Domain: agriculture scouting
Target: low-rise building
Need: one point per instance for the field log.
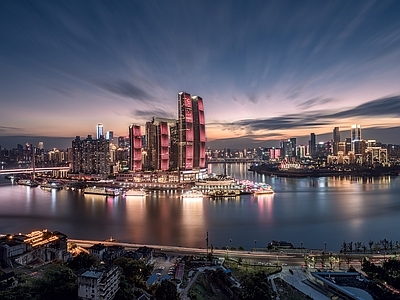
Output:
(99, 284)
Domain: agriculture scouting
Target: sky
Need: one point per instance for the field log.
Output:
(266, 70)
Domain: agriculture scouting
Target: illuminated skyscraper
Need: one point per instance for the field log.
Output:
(99, 132)
(158, 143)
(185, 128)
(355, 138)
(135, 149)
(199, 127)
(336, 140)
(191, 132)
(313, 144)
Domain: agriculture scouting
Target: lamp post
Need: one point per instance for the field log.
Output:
(255, 245)
(324, 247)
(301, 246)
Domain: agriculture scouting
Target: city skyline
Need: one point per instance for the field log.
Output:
(265, 70)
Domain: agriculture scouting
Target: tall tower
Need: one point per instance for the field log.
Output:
(336, 140)
(313, 144)
(135, 149)
(199, 128)
(99, 131)
(355, 138)
(185, 131)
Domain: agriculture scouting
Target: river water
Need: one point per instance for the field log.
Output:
(307, 211)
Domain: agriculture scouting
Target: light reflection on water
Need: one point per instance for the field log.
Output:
(311, 210)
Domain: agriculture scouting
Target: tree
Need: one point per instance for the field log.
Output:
(167, 291)
(370, 243)
(125, 291)
(82, 261)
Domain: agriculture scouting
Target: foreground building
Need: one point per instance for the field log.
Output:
(99, 284)
(26, 248)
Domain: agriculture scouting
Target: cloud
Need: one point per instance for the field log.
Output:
(126, 89)
(313, 102)
(150, 113)
(389, 106)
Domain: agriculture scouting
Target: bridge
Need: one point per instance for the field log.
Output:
(30, 170)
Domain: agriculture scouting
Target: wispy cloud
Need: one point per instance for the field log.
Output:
(126, 89)
(150, 113)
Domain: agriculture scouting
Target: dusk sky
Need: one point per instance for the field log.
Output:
(267, 70)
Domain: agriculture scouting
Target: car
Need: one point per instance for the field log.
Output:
(158, 274)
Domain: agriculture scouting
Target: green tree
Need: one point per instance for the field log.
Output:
(125, 291)
(167, 291)
(82, 261)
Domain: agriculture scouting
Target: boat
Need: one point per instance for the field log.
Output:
(192, 194)
(101, 191)
(263, 190)
(28, 182)
(138, 193)
(51, 185)
(224, 193)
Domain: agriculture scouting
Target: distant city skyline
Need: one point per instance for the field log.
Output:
(266, 70)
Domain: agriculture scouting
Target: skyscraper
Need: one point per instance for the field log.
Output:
(135, 148)
(313, 144)
(199, 126)
(185, 131)
(191, 132)
(355, 138)
(99, 131)
(336, 140)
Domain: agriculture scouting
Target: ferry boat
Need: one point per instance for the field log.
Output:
(101, 191)
(51, 185)
(137, 193)
(192, 194)
(263, 190)
(28, 182)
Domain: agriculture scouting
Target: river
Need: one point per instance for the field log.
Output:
(307, 211)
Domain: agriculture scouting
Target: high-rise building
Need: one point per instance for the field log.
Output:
(313, 144)
(199, 127)
(135, 148)
(185, 128)
(110, 136)
(158, 143)
(288, 148)
(99, 131)
(91, 156)
(355, 138)
(336, 140)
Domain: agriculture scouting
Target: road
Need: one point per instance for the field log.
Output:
(259, 257)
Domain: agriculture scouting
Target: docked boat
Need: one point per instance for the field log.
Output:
(192, 194)
(264, 190)
(101, 191)
(51, 185)
(137, 193)
(28, 182)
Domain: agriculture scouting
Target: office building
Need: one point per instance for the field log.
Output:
(355, 136)
(110, 136)
(99, 131)
(336, 140)
(313, 144)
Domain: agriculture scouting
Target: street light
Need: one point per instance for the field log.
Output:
(301, 246)
(325, 247)
(255, 245)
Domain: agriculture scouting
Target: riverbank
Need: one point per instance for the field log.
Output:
(272, 170)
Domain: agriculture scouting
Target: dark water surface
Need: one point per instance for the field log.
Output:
(308, 210)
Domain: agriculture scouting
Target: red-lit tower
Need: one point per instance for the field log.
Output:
(185, 131)
(135, 150)
(199, 128)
